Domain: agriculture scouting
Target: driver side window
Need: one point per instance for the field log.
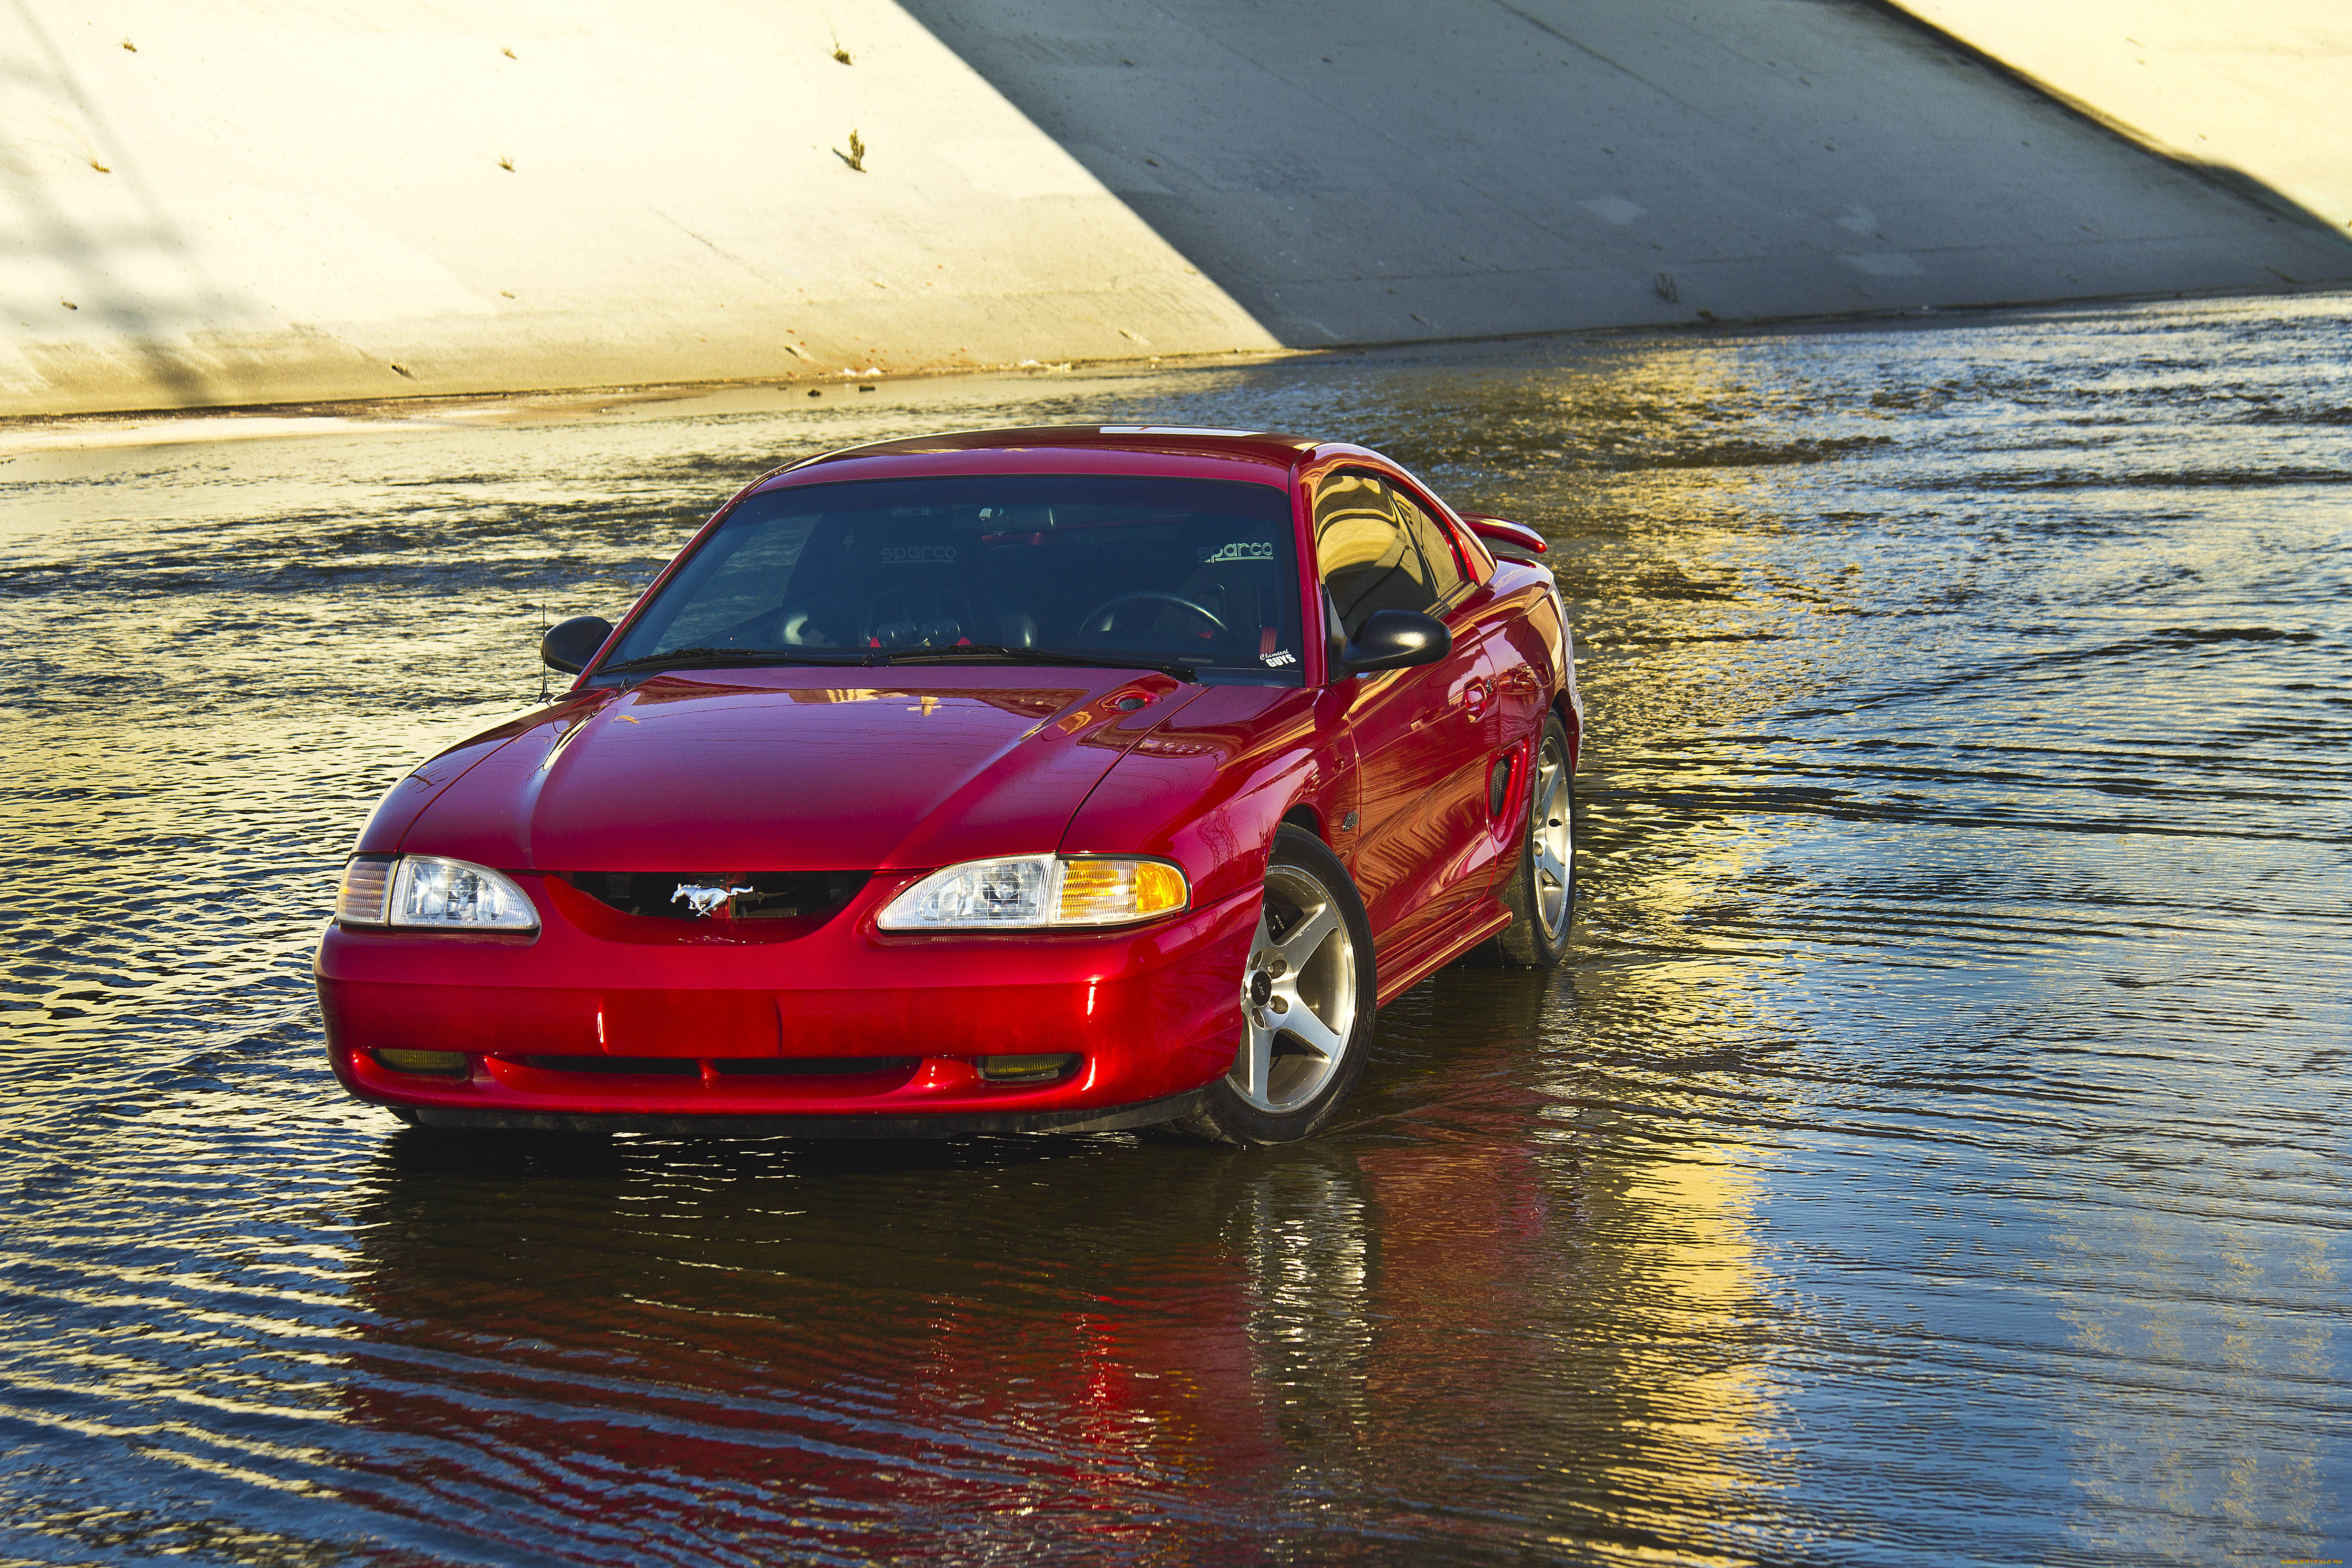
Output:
(737, 586)
(1368, 560)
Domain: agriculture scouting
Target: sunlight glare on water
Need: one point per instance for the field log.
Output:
(1934, 1149)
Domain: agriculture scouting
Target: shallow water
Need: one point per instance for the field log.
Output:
(1932, 1151)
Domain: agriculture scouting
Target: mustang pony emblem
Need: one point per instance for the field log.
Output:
(705, 900)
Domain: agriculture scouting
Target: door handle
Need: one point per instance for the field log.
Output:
(1475, 696)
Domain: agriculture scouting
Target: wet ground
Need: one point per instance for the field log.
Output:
(1933, 1152)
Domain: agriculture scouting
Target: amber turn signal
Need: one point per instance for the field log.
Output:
(367, 885)
(1110, 892)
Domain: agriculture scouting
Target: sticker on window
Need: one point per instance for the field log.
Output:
(905, 555)
(1240, 549)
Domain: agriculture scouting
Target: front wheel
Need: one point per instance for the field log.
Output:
(1541, 891)
(1308, 1001)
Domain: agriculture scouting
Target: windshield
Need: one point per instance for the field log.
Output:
(1197, 571)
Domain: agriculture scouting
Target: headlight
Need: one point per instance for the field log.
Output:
(1038, 891)
(428, 893)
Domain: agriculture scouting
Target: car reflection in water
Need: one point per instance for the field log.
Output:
(1114, 1347)
(785, 1347)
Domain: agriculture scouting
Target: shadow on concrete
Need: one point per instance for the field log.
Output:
(1408, 171)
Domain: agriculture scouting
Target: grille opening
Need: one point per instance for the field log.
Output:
(726, 1067)
(675, 1066)
(810, 1066)
(767, 895)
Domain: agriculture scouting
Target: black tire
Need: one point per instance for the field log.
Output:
(1300, 1086)
(1541, 901)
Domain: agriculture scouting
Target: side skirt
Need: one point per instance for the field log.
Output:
(1410, 975)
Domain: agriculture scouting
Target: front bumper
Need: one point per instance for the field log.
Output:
(929, 1124)
(605, 1020)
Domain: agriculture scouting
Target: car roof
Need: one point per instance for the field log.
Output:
(1173, 450)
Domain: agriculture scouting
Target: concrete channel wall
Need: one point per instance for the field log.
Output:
(270, 200)
(1479, 168)
(276, 200)
(2256, 93)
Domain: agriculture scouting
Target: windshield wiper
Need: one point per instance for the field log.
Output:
(680, 658)
(999, 653)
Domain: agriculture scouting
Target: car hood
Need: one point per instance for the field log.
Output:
(777, 771)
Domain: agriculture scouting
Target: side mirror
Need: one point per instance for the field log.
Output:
(1396, 640)
(570, 645)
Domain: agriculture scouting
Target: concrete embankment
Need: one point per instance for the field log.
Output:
(1397, 169)
(261, 203)
(252, 201)
(2256, 94)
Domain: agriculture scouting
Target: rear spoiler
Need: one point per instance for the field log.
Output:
(1510, 540)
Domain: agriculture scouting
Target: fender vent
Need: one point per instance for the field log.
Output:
(769, 895)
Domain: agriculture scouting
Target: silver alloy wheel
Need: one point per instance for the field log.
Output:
(1554, 849)
(1299, 995)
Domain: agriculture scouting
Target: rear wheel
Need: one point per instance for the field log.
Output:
(1307, 1004)
(1541, 893)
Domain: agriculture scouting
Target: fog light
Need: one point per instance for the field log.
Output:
(1025, 1069)
(440, 1063)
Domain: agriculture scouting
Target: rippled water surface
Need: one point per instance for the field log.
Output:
(1934, 1150)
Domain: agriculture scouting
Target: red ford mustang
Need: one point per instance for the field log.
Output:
(1061, 779)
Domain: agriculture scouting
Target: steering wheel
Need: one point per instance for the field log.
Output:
(1102, 611)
